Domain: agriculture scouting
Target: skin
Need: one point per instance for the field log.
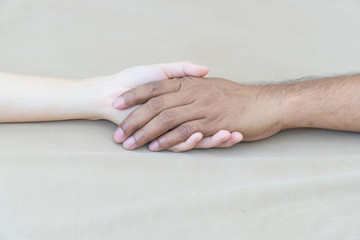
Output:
(173, 110)
(30, 98)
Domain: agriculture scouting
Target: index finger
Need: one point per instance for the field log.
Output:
(147, 91)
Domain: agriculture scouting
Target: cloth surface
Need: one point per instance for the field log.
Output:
(69, 180)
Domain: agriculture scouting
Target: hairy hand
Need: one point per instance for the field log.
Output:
(177, 108)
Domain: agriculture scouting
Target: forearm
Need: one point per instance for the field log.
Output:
(25, 99)
(331, 103)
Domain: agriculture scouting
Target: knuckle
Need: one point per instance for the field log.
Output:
(155, 104)
(178, 83)
(155, 87)
(209, 100)
(189, 78)
(186, 79)
(185, 130)
(167, 116)
(211, 117)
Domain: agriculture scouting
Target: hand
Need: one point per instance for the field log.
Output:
(113, 86)
(222, 139)
(177, 108)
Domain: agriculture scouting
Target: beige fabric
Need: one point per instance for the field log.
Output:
(68, 180)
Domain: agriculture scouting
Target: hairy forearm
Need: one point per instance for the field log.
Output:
(26, 99)
(331, 103)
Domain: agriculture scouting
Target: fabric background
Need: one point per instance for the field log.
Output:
(68, 180)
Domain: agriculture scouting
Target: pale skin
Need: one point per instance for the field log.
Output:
(32, 99)
(172, 110)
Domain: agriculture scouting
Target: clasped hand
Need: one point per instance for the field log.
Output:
(175, 109)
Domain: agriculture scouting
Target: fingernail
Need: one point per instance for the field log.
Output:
(119, 135)
(119, 103)
(129, 143)
(154, 146)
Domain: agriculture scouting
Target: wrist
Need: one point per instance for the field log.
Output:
(102, 91)
(294, 114)
(89, 98)
(274, 102)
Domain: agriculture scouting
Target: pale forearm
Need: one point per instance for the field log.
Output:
(331, 103)
(25, 98)
(29, 98)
